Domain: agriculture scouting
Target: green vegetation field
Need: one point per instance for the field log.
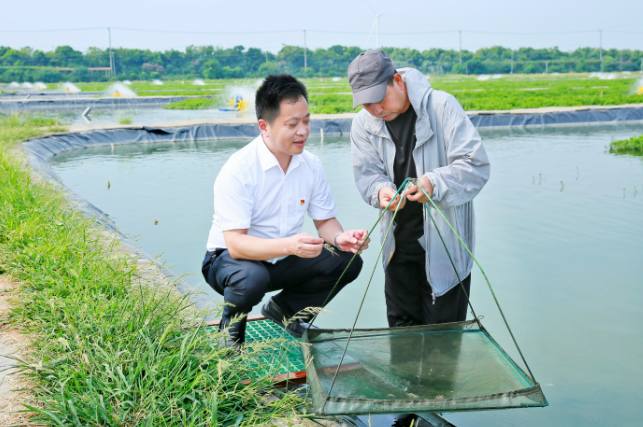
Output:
(334, 96)
(505, 93)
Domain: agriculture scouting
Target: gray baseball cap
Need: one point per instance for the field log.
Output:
(368, 74)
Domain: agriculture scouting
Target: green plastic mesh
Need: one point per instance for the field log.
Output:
(288, 359)
(448, 367)
(285, 356)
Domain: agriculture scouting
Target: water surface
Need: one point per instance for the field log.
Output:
(559, 233)
(143, 115)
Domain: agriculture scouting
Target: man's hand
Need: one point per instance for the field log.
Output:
(385, 195)
(415, 194)
(350, 241)
(304, 245)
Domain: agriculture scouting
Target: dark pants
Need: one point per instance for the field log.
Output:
(409, 299)
(304, 282)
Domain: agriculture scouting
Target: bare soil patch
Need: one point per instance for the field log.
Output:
(13, 344)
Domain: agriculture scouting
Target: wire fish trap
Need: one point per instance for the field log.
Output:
(437, 368)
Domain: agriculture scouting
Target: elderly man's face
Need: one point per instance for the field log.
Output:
(395, 102)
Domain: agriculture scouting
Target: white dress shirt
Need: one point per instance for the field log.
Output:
(252, 192)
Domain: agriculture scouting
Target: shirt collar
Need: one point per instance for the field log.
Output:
(268, 160)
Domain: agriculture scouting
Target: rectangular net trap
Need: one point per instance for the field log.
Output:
(447, 367)
(437, 368)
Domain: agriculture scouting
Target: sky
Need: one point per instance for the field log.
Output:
(163, 24)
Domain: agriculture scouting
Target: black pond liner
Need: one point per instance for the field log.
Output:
(578, 117)
(30, 105)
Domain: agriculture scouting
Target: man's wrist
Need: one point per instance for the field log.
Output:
(335, 242)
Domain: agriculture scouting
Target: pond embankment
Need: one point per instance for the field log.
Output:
(107, 343)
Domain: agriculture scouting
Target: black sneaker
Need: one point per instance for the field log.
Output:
(296, 327)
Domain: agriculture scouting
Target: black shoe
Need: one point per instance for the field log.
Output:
(230, 342)
(296, 327)
(234, 329)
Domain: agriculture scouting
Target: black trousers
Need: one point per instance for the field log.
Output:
(303, 282)
(409, 299)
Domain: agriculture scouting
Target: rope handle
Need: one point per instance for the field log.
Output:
(405, 186)
(360, 247)
(481, 270)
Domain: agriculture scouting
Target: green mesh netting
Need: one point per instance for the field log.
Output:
(447, 367)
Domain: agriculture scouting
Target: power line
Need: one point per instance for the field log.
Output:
(146, 30)
(53, 31)
(141, 30)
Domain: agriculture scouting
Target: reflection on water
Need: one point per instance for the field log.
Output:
(558, 233)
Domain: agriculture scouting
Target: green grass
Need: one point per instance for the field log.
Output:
(633, 146)
(331, 104)
(512, 93)
(108, 349)
(508, 93)
(192, 104)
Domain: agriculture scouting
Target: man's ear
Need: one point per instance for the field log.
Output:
(263, 126)
(398, 80)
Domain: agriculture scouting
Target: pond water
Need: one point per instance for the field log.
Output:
(559, 233)
(142, 115)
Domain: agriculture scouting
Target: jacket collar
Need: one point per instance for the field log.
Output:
(418, 89)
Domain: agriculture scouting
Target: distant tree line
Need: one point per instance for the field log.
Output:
(210, 62)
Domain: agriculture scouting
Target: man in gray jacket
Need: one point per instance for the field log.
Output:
(408, 129)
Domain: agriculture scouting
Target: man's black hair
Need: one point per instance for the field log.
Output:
(391, 79)
(274, 89)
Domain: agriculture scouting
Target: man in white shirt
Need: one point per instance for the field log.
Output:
(260, 198)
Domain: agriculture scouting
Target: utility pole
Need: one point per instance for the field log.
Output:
(621, 61)
(111, 55)
(460, 35)
(266, 52)
(305, 57)
(600, 35)
(547, 66)
(377, 35)
(512, 61)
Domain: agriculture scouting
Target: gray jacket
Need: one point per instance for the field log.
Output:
(449, 153)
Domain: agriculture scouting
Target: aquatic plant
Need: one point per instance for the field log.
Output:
(633, 146)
